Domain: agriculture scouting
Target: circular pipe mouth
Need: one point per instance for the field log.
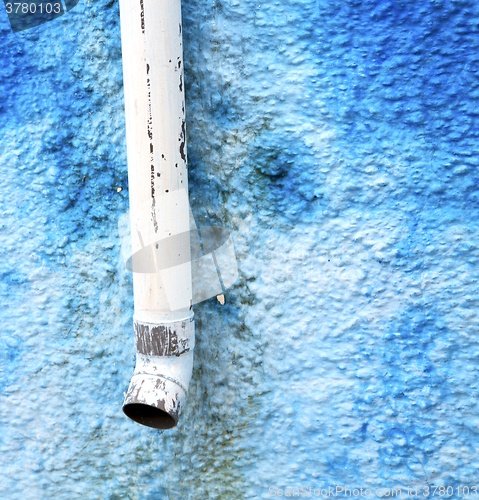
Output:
(149, 416)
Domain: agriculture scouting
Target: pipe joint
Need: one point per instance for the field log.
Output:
(173, 338)
(164, 364)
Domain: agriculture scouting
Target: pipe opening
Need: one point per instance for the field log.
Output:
(149, 416)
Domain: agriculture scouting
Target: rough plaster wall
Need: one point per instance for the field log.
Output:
(338, 140)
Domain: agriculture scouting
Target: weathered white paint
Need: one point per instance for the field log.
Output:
(158, 182)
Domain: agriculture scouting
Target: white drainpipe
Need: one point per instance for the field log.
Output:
(158, 186)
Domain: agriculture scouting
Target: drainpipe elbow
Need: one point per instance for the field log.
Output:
(164, 364)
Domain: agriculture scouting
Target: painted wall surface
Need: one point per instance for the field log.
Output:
(338, 140)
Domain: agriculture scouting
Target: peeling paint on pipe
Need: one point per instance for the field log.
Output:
(158, 183)
(164, 364)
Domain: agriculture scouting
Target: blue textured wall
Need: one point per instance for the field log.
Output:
(338, 139)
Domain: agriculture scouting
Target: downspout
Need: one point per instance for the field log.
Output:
(158, 190)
